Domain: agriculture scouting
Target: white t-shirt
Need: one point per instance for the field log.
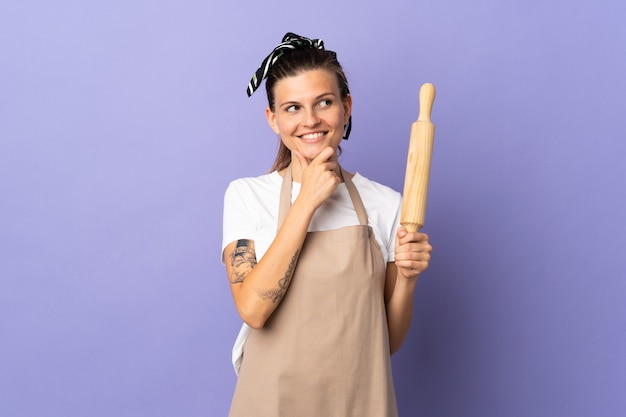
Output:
(251, 212)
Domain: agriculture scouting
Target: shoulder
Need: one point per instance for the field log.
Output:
(372, 190)
(262, 181)
(261, 185)
(383, 206)
(251, 210)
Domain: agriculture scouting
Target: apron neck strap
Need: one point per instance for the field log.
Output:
(285, 197)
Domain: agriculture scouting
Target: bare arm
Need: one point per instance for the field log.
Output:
(258, 288)
(412, 258)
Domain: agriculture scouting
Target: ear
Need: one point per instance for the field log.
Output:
(271, 119)
(347, 108)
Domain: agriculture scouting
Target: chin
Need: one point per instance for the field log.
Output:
(311, 153)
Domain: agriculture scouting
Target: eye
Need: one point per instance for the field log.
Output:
(326, 102)
(292, 108)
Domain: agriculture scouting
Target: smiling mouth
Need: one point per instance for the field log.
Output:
(313, 136)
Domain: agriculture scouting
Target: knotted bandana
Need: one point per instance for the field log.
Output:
(290, 41)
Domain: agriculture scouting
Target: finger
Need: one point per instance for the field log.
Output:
(416, 237)
(420, 237)
(412, 257)
(325, 156)
(414, 248)
(412, 266)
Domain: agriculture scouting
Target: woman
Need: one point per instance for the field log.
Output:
(331, 295)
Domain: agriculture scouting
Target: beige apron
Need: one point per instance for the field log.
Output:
(324, 352)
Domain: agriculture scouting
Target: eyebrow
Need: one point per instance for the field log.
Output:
(289, 103)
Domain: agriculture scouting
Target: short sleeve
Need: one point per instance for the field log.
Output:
(238, 222)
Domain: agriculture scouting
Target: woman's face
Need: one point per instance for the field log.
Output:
(309, 114)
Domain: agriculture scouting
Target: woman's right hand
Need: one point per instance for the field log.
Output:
(319, 177)
(259, 287)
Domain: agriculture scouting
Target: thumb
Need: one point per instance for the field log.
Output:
(400, 233)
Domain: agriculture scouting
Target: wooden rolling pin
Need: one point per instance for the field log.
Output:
(418, 163)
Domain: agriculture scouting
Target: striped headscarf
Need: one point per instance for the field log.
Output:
(290, 42)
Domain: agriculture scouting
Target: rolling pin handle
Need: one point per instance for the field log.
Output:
(427, 97)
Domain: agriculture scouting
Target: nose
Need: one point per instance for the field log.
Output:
(310, 117)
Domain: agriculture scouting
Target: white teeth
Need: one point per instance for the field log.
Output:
(313, 135)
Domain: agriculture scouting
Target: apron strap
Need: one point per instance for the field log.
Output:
(356, 198)
(285, 198)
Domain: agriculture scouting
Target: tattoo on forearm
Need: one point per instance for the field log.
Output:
(276, 294)
(242, 259)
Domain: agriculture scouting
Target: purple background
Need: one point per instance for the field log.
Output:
(122, 122)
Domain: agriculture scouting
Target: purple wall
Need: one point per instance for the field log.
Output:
(121, 123)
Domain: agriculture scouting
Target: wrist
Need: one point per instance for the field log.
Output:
(406, 284)
(303, 207)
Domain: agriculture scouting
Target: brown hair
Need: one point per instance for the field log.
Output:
(295, 62)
